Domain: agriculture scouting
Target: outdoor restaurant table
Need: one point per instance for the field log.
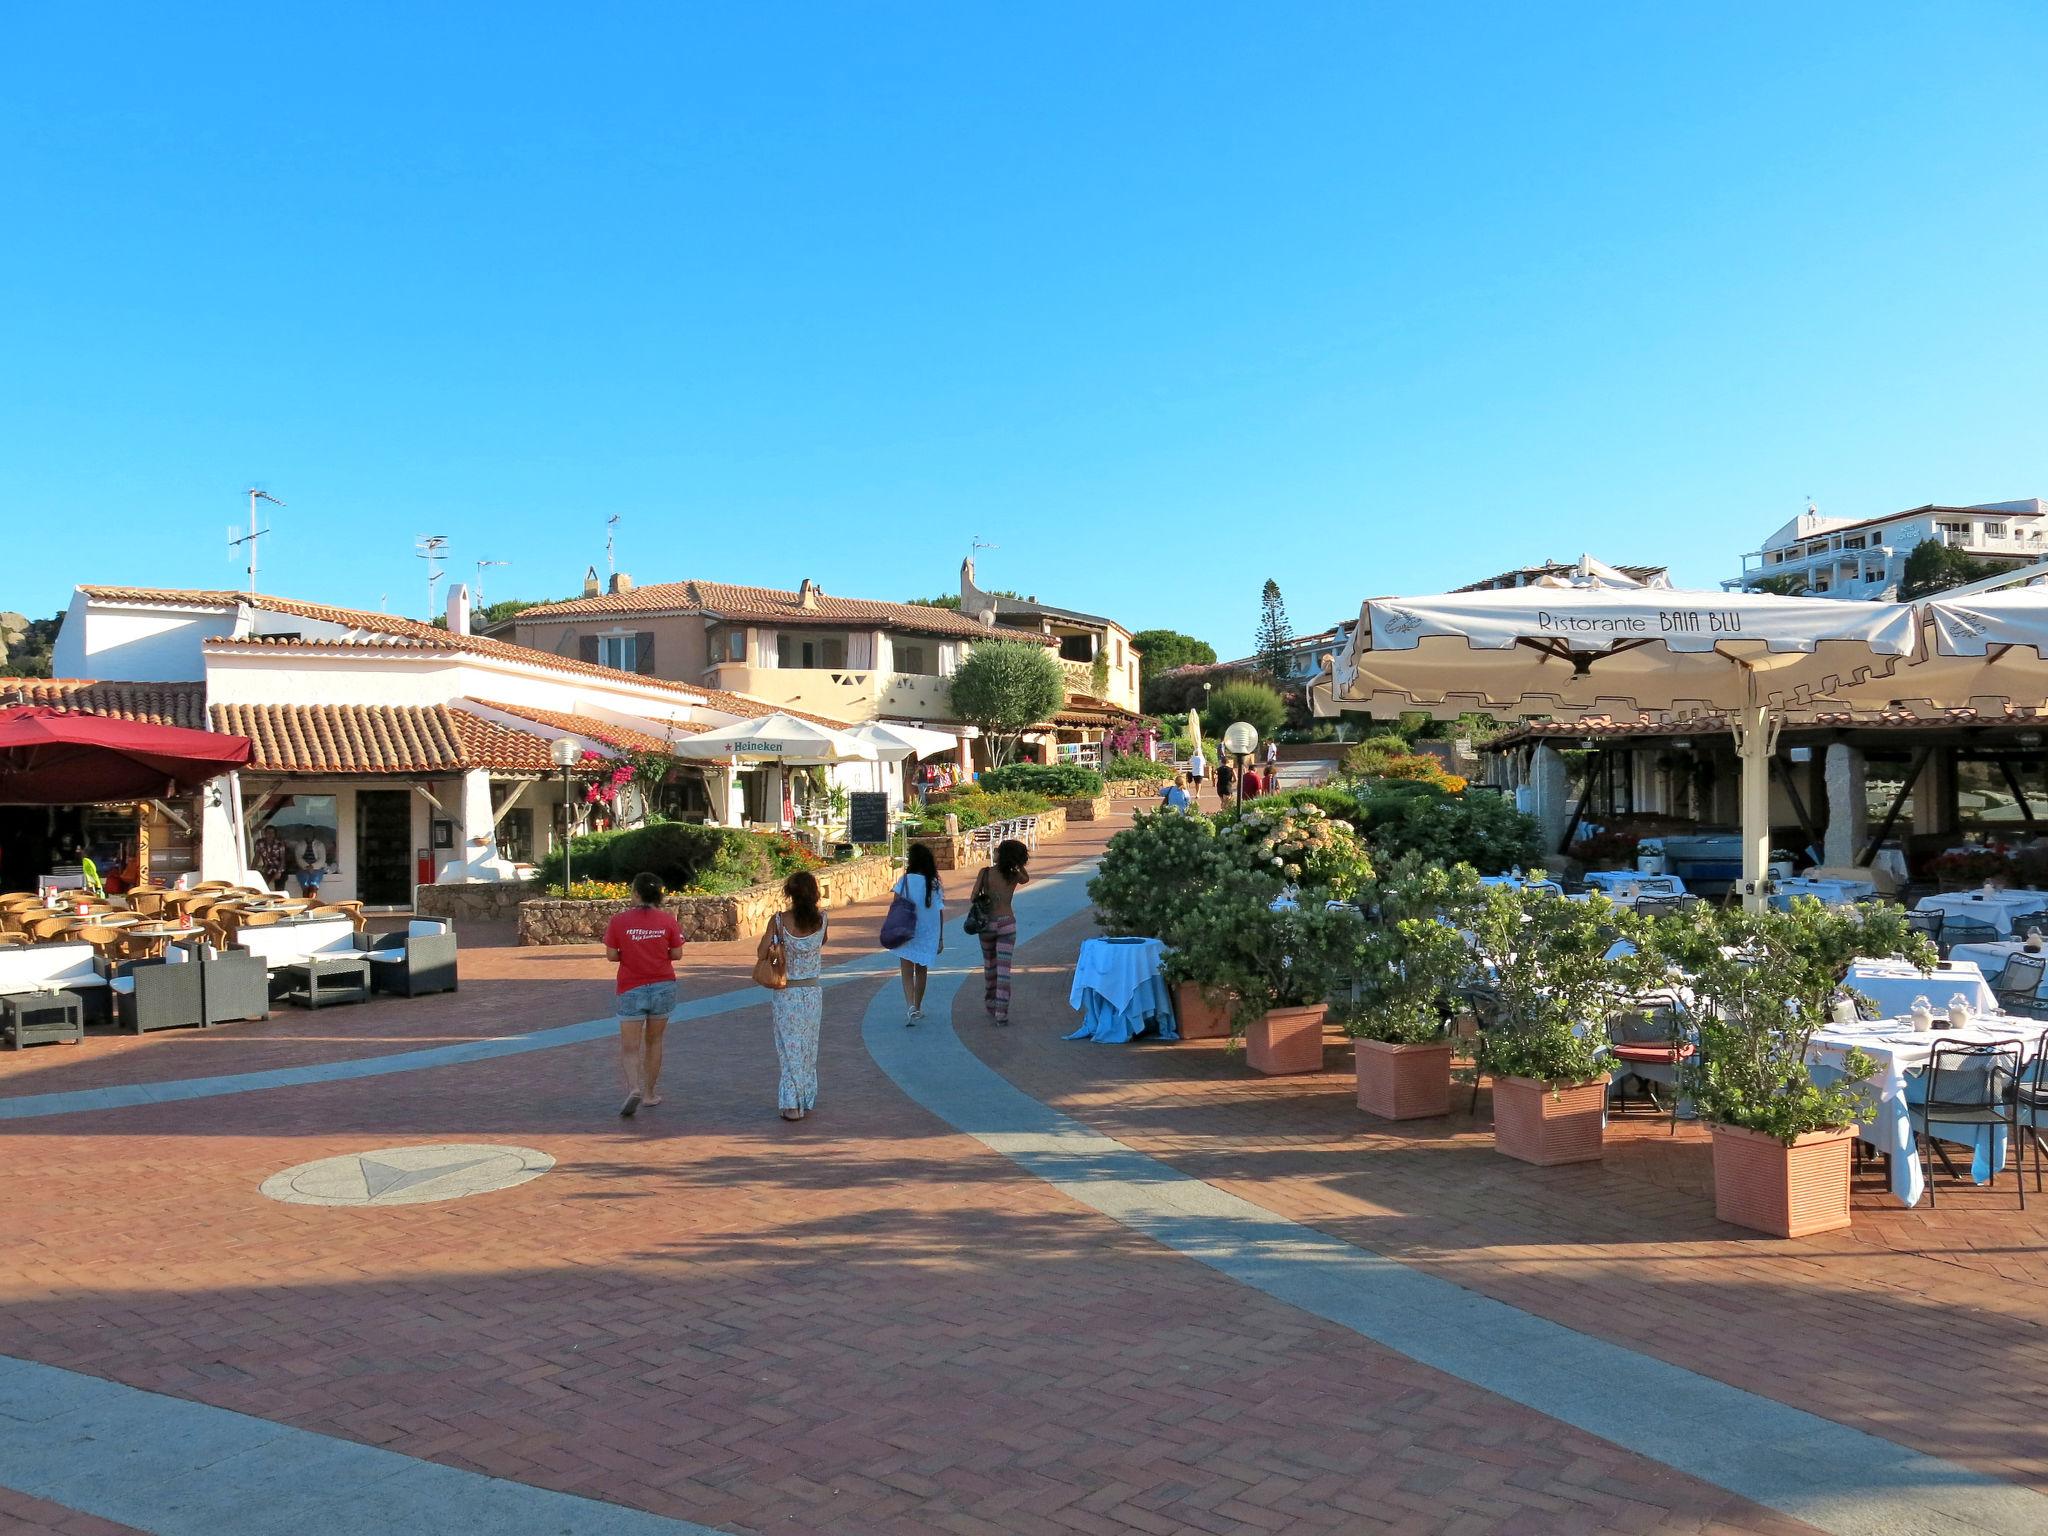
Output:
(1832, 893)
(1902, 1055)
(1893, 984)
(1523, 883)
(1119, 991)
(1990, 958)
(1998, 909)
(1612, 882)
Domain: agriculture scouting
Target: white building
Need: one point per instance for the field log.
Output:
(1866, 557)
(387, 747)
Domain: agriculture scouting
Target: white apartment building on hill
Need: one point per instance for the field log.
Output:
(1866, 557)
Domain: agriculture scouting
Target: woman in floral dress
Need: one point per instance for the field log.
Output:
(799, 1007)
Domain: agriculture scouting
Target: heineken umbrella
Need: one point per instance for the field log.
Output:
(1584, 645)
(776, 738)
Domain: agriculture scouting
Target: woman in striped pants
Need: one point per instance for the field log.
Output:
(999, 883)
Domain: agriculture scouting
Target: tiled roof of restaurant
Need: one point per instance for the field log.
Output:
(759, 605)
(1081, 709)
(180, 704)
(388, 629)
(1604, 728)
(622, 736)
(379, 738)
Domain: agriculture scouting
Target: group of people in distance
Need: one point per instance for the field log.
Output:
(644, 942)
(1184, 790)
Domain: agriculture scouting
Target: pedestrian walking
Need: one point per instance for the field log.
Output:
(1272, 760)
(1254, 786)
(1225, 779)
(1198, 769)
(1173, 795)
(917, 954)
(799, 1008)
(997, 888)
(644, 943)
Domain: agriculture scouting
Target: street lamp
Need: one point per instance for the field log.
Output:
(565, 752)
(1241, 740)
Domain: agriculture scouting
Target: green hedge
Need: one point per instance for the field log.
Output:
(975, 807)
(1062, 781)
(683, 856)
(1142, 769)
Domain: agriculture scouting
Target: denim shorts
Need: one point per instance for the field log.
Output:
(656, 997)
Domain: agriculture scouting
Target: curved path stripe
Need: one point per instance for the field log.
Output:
(1813, 1469)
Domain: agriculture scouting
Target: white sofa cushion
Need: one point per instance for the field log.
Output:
(49, 968)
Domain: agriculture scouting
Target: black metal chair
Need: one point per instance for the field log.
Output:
(1926, 923)
(2018, 986)
(1484, 1003)
(1648, 1045)
(2030, 1109)
(1656, 906)
(1969, 1083)
(1964, 930)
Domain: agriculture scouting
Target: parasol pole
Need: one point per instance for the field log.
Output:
(1756, 738)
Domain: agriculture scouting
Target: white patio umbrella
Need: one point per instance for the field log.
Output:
(1982, 651)
(893, 742)
(1589, 646)
(776, 738)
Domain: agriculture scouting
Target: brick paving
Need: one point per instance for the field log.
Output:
(867, 1323)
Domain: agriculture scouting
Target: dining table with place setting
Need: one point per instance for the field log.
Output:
(1894, 984)
(1827, 891)
(1903, 1049)
(1992, 956)
(1614, 883)
(1997, 907)
(1120, 991)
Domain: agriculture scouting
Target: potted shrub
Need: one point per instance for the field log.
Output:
(1276, 958)
(1302, 845)
(1557, 983)
(1410, 965)
(1763, 983)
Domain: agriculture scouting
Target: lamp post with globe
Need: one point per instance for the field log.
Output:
(1241, 740)
(565, 752)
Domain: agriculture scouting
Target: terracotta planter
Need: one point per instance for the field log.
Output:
(1287, 1040)
(1404, 1082)
(1762, 1184)
(1202, 1011)
(1549, 1123)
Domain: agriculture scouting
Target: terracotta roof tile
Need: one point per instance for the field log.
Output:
(1606, 728)
(180, 704)
(765, 605)
(379, 738)
(622, 736)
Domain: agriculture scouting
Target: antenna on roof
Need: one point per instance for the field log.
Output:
(253, 534)
(610, 564)
(431, 548)
(978, 545)
(480, 582)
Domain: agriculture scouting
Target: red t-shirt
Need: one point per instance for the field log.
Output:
(643, 936)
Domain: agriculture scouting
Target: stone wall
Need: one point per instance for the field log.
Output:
(1095, 808)
(485, 902)
(739, 914)
(961, 853)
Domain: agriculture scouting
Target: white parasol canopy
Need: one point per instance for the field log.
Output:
(1982, 651)
(776, 738)
(1587, 646)
(893, 743)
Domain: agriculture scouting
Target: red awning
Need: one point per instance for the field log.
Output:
(55, 757)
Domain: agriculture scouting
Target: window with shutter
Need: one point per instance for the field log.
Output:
(643, 653)
(586, 648)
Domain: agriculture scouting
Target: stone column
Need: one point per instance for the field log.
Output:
(1551, 782)
(1848, 806)
(1931, 794)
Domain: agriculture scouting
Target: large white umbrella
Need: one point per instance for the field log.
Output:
(893, 742)
(1981, 651)
(776, 738)
(1588, 646)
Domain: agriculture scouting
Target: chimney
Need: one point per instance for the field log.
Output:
(621, 582)
(807, 596)
(590, 586)
(458, 609)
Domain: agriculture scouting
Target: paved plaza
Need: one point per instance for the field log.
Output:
(400, 1266)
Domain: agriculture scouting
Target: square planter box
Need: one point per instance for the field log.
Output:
(1287, 1040)
(1762, 1184)
(1547, 1124)
(1203, 1012)
(1404, 1082)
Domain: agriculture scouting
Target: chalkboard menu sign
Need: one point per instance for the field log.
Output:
(867, 819)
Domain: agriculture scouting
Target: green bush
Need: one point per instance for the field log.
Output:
(1339, 804)
(975, 807)
(681, 855)
(1155, 871)
(1414, 960)
(1255, 704)
(1234, 940)
(591, 860)
(1483, 830)
(1062, 781)
(1141, 769)
(1303, 845)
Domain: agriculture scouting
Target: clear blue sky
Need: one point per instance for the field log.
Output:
(1162, 299)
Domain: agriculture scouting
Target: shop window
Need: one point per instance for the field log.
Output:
(515, 837)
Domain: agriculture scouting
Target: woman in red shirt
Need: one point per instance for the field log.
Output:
(645, 943)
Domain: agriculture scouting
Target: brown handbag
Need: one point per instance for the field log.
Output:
(771, 970)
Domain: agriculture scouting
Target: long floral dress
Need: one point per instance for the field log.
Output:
(798, 1011)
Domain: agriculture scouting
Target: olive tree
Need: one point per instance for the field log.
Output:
(1006, 687)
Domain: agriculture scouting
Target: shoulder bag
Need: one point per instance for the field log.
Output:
(771, 969)
(899, 927)
(978, 907)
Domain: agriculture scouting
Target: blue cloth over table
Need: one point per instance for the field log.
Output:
(1119, 991)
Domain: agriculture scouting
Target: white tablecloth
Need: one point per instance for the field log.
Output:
(1833, 893)
(1991, 958)
(1614, 881)
(1997, 909)
(1902, 1054)
(1893, 984)
(1526, 883)
(1114, 969)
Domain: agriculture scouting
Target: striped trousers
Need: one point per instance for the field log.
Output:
(998, 941)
